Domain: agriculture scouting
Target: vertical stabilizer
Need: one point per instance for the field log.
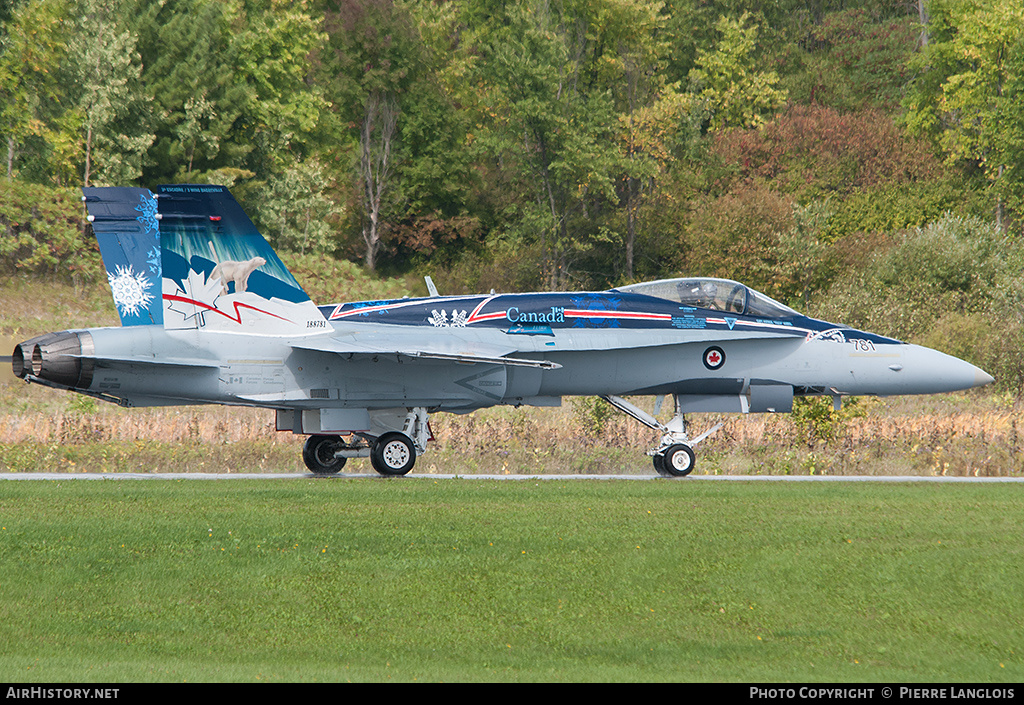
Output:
(220, 274)
(125, 222)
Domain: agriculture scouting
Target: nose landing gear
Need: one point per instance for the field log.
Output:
(674, 456)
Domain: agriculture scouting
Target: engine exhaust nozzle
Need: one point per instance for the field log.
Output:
(63, 358)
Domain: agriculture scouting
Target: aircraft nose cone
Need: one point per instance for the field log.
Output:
(932, 371)
(981, 378)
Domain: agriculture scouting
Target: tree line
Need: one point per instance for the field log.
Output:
(543, 143)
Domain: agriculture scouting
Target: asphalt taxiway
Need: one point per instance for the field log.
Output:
(439, 476)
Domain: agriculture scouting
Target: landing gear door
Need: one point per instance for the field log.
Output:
(771, 398)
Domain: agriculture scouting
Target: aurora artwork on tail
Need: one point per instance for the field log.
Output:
(170, 262)
(219, 272)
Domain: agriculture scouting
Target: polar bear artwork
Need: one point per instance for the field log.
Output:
(237, 272)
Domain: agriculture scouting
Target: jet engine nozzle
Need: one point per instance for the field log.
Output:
(63, 358)
(18, 362)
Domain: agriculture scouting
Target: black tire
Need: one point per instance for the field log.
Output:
(393, 454)
(678, 461)
(659, 465)
(318, 455)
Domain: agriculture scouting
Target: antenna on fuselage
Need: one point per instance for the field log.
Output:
(658, 401)
(431, 289)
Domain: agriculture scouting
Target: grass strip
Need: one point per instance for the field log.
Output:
(456, 580)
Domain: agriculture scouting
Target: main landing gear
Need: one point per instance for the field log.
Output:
(674, 456)
(392, 453)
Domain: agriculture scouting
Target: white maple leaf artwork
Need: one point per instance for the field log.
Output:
(130, 289)
(459, 319)
(197, 289)
(439, 320)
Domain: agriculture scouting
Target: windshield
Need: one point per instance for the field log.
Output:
(715, 294)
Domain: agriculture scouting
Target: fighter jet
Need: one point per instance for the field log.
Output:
(210, 315)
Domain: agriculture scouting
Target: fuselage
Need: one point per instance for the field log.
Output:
(752, 358)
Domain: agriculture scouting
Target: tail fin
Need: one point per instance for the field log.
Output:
(218, 271)
(124, 220)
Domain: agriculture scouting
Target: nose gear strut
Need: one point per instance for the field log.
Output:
(673, 456)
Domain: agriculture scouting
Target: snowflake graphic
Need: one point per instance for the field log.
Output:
(153, 258)
(596, 302)
(131, 290)
(148, 209)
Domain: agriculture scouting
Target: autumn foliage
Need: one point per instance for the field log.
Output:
(813, 151)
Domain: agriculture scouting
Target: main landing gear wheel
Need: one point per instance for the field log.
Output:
(318, 454)
(393, 454)
(677, 461)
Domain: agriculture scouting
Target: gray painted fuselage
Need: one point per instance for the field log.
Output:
(152, 366)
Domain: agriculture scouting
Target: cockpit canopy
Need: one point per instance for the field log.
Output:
(715, 294)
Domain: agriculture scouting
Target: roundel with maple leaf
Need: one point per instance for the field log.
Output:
(714, 357)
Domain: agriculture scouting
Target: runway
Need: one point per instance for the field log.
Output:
(52, 476)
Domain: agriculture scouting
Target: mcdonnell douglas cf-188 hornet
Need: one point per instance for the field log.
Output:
(210, 315)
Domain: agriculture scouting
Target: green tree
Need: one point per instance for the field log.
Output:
(852, 60)
(647, 108)
(295, 209)
(113, 110)
(802, 250)
(550, 126)
(30, 57)
(736, 236)
(284, 112)
(376, 165)
(738, 92)
(199, 97)
(373, 56)
(969, 97)
(437, 190)
(194, 133)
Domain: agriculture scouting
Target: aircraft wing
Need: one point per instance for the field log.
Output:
(421, 346)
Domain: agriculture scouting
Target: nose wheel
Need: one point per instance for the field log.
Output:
(678, 460)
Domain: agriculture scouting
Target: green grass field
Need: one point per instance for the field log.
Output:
(456, 580)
